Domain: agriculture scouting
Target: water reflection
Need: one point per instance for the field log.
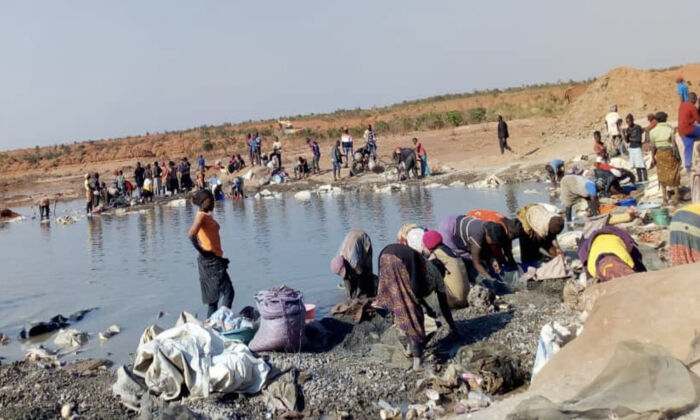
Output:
(137, 264)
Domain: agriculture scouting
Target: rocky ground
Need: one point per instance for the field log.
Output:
(346, 377)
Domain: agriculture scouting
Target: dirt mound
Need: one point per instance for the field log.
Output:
(639, 92)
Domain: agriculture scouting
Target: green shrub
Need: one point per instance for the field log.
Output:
(207, 146)
(476, 115)
(455, 118)
(381, 126)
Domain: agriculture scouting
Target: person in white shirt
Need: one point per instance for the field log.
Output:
(346, 140)
(277, 151)
(613, 124)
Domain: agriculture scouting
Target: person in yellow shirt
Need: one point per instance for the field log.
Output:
(609, 253)
(204, 235)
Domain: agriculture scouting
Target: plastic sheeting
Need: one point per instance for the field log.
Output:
(194, 357)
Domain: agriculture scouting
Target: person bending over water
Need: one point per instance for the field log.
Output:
(213, 274)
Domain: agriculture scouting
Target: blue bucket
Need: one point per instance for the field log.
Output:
(627, 202)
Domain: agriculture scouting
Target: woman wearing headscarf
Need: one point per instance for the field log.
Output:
(412, 235)
(403, 286)
(456, 277)
(609, 253)
(666, 157)
(213, 274)
(353, 264)
(538, 236)
(685, 235)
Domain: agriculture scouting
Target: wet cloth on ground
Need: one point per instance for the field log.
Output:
(192, 357)
(685, 235)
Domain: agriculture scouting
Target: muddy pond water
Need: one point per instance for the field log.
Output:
(133, 266)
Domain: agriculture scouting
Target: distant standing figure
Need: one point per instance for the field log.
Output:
(96, 188)
(44, 210)
(346, 140)
(88, 194)
(336, 159)
(555, 171)
(316, 150)
(503, 135)
(423, 157)
(157, 173)
(612, 125)
(599, 148)
(204, 235)
(688, 129)
(277, 151)
(173, 178)
(257, 142)
(201, 162)
(682, 89)
(251, 149)
(138, 177)
(633, 136)
(666, 157)
(353, 263)
(371, 141)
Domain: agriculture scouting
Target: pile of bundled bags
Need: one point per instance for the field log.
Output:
(196, 358)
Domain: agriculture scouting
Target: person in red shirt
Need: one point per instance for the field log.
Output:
(422, 157)
(687, 117)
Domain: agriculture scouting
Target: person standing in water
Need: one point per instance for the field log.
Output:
(337, 160)
(88, 194)
(503, 135)
(204, 235)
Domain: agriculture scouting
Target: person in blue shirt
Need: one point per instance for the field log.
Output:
(555, 170)
(682, 89)
(201, 161)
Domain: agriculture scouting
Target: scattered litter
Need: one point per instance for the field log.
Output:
(42, 357)
(66, 221)
(477, 400)
(70, 338)
(67, 411)
(490, 182)
(303, 195)
(388, 412)
(180, 202)
(480, 297)
(110, 332)
(553, 337)
(432, 394)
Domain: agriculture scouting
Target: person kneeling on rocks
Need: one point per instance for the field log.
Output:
(354, 265)
(406, 279)
(609, 253)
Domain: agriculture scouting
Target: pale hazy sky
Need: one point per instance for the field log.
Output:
(78, 70)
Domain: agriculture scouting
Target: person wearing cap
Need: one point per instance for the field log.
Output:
(404, 284)
(406, 156)
(538, 236)
(353, 264)
(555, 171)
(456, 278)
(688, 129)
(666, 157)
(613, 124)
(577, 187)
(682, 89)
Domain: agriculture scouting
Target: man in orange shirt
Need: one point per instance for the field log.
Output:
(687, 117)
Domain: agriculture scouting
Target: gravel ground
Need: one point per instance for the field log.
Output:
(347, 381)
